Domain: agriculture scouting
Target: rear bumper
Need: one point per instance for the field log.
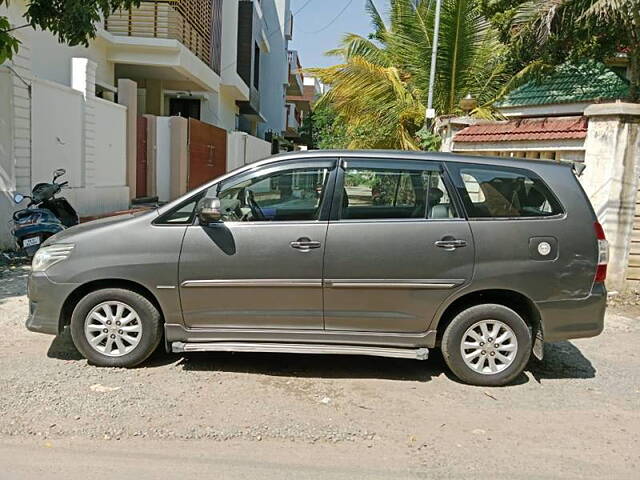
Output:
(579, 318)
(45, 303)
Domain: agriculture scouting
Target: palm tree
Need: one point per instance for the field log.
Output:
(381, 86)
(582, 28)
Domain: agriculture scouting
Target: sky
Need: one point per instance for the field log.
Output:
(318, 28)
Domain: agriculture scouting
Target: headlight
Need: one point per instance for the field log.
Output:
(48, 256)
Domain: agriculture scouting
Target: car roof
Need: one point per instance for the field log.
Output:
(416, 156)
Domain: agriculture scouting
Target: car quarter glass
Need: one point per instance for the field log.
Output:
(500, 192)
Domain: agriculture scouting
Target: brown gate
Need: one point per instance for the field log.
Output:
(207, 153)
(141, 158)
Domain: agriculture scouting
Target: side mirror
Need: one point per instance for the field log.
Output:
(209, 210)
(18, 198)
(58, 173)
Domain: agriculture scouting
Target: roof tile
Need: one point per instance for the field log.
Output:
(547, 128)
(587, 81)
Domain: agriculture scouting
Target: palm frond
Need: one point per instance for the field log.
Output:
(380, 87)
(379, 27)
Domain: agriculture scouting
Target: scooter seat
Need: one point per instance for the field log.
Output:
(22, 214)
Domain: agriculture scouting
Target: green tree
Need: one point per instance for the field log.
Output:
(72, 21)
(380, 88)
(323, 129)
(541, 34)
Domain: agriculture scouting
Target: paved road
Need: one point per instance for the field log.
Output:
(575, 415)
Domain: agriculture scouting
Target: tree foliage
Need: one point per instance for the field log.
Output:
(380, 89)
(323, 130)
(541, 34)
(72, 21)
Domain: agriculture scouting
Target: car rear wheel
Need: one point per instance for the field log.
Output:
(487, 345)
(115, 327)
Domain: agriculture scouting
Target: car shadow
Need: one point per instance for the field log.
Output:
(562, 360)
(317, 366)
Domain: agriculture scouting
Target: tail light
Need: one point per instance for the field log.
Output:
(603, 254)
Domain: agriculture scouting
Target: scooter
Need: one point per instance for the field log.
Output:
(45, 215)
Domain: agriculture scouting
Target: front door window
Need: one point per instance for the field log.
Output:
(289, 195)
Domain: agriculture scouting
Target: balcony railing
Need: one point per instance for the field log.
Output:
(188, 21)
(294, 119)
(296, 86)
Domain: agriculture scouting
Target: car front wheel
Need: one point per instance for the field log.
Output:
(115, 327)
(487, 345)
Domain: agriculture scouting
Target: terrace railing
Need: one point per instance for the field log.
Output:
(188, 21)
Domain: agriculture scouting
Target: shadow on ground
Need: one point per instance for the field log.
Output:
(562, 360)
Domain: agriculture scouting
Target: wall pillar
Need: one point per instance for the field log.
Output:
(179, 128)
(448, 127)
(612, 157)
(15, 134)
(128, 96)
(154, 97)
(83, 79)
(83, 76)
(152, 155)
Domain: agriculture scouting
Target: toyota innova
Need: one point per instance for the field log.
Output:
(339, 252)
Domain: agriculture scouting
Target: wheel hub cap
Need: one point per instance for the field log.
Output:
(113, 328)
(489, 346)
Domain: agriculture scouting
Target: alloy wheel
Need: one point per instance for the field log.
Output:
(489, 347)
(113, 328)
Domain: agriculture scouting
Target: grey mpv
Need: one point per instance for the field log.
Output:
(367, 253)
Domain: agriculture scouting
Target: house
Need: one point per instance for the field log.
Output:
(575, 114)
(168, 95)
(544, 119)
(299, 107)
(51, 117)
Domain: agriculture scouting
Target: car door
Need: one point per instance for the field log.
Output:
(261, 267)
(397, 246)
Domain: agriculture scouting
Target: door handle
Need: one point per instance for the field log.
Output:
(305, 244)
(450, 244)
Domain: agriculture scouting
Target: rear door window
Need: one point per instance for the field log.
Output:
(503, 192)
(372, 193)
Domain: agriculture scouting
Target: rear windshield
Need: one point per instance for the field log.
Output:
(502, 192)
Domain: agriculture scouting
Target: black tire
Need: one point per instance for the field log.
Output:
(147, 313)
(452, 340)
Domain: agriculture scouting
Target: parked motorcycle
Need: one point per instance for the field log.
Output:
(44, 216)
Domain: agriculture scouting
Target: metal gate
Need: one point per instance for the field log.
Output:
(141, 158)
(207, 153)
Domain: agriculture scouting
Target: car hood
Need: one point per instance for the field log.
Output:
(70, 234)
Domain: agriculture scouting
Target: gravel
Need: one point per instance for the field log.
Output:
(577, 410)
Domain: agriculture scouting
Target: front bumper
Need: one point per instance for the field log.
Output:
(579, 318)
(46, 298)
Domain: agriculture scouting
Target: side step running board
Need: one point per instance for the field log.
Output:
(414, 353)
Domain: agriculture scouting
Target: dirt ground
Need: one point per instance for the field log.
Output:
(574, 415)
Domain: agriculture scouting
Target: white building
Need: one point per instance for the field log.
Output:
(214, 60)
